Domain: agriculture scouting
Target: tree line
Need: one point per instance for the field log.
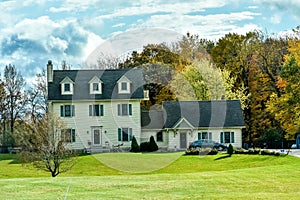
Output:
(261, 71)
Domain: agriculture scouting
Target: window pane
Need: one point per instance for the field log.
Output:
(66, 135)
(199, 136)
(227, 137)
(96, 110)
(124, 134)
(95, 87)
(67, 87)
(204, 136)
(124, 109)
(123, 86)
(67, 111)
(159, 137)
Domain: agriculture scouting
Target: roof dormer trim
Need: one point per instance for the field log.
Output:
(124, 85)
(95, 85)
(67, 86)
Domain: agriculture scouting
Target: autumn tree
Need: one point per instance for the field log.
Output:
(46, 145)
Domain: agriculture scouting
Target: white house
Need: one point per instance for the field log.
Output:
(101, 108)
(181, 122)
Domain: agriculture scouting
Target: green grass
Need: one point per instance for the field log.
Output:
(188, 177)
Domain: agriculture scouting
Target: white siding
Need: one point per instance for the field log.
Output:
(110, 122)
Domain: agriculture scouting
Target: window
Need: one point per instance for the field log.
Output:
(96, 110)
(227, 137)
(124, 109)
(67, 110)
(159, 136)
(124, 134)
(68, 135)
(205, 136)
(67, 87)
(95, 86)
(124, 86)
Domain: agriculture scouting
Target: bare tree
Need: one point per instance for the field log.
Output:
(37, 98)
(108, 61)
(46, 145)
(15, 100)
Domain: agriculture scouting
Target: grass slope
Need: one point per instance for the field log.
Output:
(189, 177)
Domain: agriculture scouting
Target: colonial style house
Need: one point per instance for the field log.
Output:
(101, 109)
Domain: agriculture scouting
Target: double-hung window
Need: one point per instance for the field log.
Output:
(67, 110)
(227, 137)
(124, 109)
(124, 134)
(68, 135)
(204, 136)
(96, 110)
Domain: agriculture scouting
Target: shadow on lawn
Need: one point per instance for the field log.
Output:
(223, 157)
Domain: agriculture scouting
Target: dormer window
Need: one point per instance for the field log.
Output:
(67, 86)
(124, 85)
(95, 85)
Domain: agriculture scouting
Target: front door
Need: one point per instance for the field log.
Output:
(97, 136)
(182, 140)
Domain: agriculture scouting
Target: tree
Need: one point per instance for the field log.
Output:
(37, 98)
(230, 150)
(134, 145)
(152, 144)
(46, 145)
(15, 100)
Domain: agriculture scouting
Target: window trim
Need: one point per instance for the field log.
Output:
(64, 82)
(121, 137)
(122, 112)
(63, 110)
(71, 137)
(92, 110)
(227, 137)
(208, 134)
(159, 138)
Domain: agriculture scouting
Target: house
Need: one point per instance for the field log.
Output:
(101, 109)
(181, 122)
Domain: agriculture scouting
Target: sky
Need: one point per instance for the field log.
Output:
(35, 31)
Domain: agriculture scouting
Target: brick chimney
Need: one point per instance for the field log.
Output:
(49, 71)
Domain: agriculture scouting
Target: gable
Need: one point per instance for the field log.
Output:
(183, 124)
(95, 79)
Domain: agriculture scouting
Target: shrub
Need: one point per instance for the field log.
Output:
(201, 151)
(134, 145)
(152, 144)
(230, 149)
(144, 146)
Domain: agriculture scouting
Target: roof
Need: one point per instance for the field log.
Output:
(109, 80)
(152, 119)
(218, 113)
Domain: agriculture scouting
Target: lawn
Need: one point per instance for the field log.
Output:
(179, 177)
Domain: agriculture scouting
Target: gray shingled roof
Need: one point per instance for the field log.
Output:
(222, 113)
(109, 86)
(152, 119)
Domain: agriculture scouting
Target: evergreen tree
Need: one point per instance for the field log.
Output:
(134, 145)
(152, 144)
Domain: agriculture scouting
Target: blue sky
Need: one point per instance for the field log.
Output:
(34, 31)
